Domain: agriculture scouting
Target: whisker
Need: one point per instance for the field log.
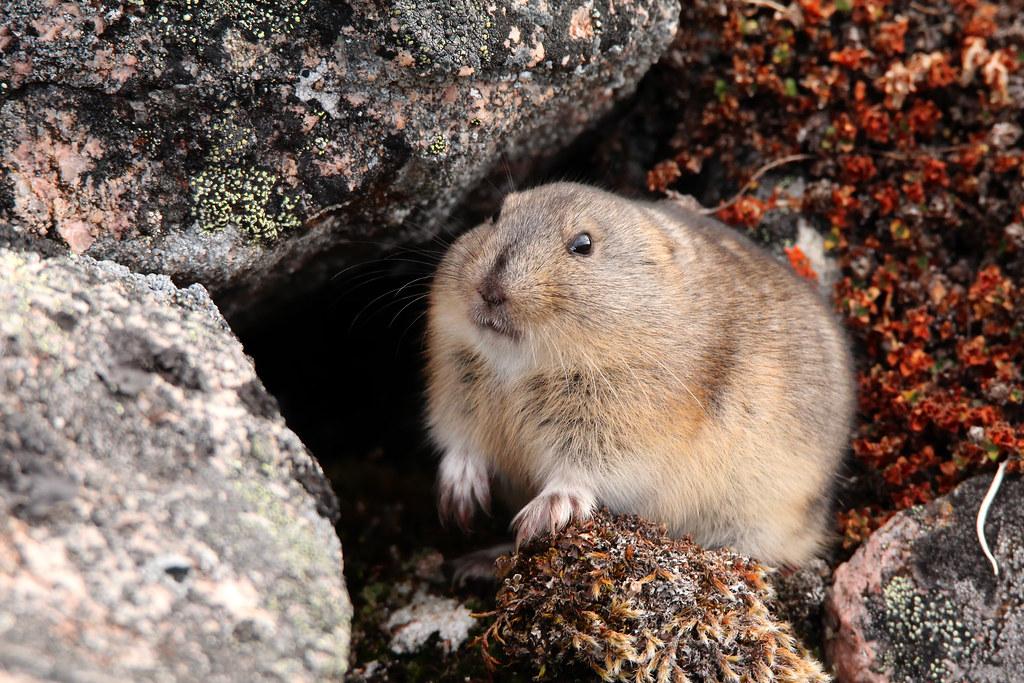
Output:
(421, 297)
(419, 316)
(407, 297)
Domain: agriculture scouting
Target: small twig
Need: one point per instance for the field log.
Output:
(986, 503)
(754, 178)
(790, 13)
(934, 11)
(325, 210)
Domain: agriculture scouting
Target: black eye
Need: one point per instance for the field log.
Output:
(581, 244)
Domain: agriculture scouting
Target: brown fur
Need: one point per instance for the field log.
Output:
(679, 372)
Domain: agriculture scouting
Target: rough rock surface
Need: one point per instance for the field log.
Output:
(919, 601)
(158, 521)
(204, 140)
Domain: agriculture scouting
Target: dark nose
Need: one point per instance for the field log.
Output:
(491, 292)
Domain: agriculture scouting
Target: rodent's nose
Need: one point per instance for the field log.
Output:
(491, 292)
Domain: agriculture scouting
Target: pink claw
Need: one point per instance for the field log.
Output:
(463, 484)
(549, 512)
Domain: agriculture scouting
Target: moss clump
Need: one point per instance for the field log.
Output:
(618, 596)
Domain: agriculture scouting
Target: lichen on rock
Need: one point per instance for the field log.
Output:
(427, 615)
(617, 596)
(248, 197)
(158, 520)
(918, 601)
(199, 21)
(258, 138)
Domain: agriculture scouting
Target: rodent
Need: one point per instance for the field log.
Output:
(584, 349)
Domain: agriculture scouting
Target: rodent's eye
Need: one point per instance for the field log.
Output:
(581, 244)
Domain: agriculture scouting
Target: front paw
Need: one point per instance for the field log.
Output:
(463, 483)
(550, 511)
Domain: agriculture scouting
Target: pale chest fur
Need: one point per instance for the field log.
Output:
(528, 423)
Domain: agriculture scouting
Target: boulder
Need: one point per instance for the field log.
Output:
(158, 521)
(232, 142)
(919, 600)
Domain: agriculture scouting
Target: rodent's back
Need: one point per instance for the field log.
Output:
(781, 364)
(773, 313)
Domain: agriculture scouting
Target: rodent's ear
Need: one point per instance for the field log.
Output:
(671, 244)
(665, 232)
(672, 233)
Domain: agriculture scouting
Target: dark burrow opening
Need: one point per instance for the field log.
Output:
(345, 363)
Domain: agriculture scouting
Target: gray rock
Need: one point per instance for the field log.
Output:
(230, 142)
(919, 601)
(158, 521)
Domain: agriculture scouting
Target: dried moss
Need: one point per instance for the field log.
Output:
(617, 596)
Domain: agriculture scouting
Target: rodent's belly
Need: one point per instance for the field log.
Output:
(518, 457)
(735, 482)
(670, 482)
(685, 481)
(665, 487)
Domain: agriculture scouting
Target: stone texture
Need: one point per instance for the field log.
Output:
(919, 602)
(229, 142)
(158, 521)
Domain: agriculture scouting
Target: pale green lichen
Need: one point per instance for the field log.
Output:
(306, 553)
(317, 145)
(438, 146)
(926, 633)
(233, 140)
(232, 191)
(249, 198)
(195, 21)
(307, 556)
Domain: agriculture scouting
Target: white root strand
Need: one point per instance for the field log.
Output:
(986, 503)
